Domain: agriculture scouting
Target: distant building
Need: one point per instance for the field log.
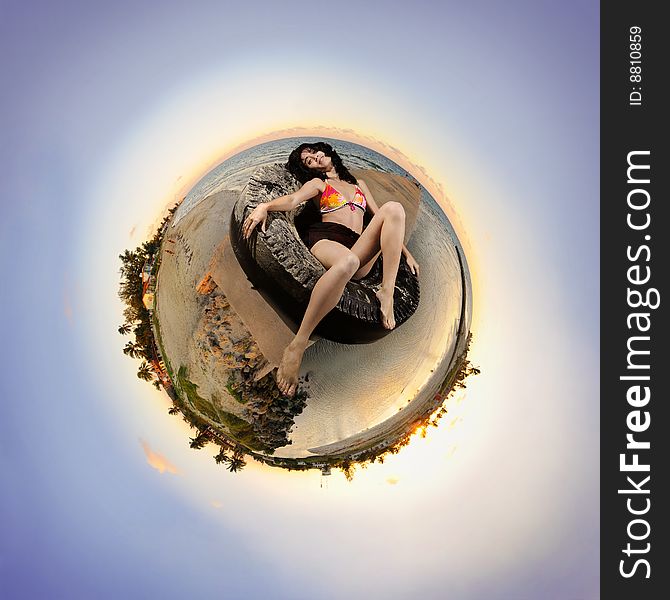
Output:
(161, 372)
(148, 300)
(146, 270)
(148, 284)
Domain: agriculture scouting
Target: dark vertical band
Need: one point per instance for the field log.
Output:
(635, 338)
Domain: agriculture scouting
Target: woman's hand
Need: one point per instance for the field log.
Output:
(411, 263)
(258, 215)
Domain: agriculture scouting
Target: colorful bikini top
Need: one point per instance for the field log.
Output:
(332, 200)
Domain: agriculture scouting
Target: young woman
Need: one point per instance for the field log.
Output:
(339, 242)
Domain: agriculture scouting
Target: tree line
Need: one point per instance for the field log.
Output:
(137, 319)
(137, 322)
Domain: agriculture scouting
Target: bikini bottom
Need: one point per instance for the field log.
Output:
(330, 231)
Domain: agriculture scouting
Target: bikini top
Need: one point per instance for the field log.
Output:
(332, 200)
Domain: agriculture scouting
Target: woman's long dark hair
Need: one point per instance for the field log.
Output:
(303, 174)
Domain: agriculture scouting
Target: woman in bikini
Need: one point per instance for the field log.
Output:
(339, 242)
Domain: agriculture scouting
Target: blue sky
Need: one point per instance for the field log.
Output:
(107, 110)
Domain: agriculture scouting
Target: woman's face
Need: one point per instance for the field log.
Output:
(316, 160)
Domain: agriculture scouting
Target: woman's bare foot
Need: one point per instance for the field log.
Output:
(287, 374)
(386, 302)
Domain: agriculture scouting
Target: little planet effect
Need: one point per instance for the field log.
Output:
(212, 312)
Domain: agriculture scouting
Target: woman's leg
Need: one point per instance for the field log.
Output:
(386, 231)
(366, 268)
(341, 264)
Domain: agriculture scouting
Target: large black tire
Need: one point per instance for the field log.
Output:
(279, 263)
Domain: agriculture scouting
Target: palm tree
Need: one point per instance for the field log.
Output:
(199, 441)
(124, 329)
(135, 349)
(221, 456)
(145, 371)
(132, 263)
(347, 467)
(236, 464)
(173, 410)
(132, 349)
(131, 314)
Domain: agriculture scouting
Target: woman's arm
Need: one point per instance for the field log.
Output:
(291, 201)
(288, 202)
(373, 208)
(370, 201)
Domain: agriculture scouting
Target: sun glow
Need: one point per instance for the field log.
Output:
(195, 130)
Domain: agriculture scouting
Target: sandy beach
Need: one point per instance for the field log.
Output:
(353, 389)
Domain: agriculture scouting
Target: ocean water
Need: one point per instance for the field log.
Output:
(233, 173)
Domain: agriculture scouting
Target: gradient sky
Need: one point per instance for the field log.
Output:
(110, 110)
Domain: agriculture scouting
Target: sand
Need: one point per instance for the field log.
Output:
(356, 392)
